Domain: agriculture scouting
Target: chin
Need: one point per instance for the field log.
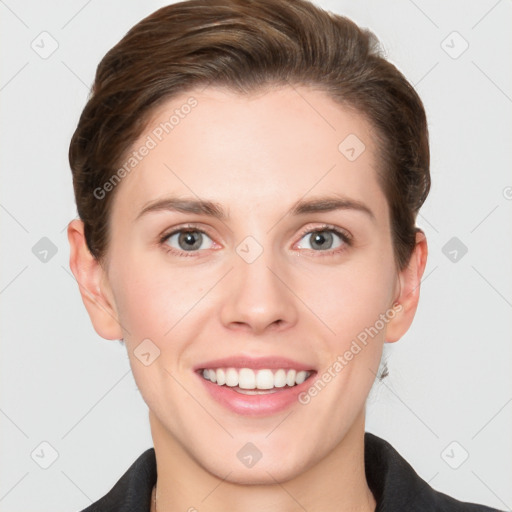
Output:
(260, 474)
(261, 469)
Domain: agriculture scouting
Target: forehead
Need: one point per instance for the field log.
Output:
(243, 150)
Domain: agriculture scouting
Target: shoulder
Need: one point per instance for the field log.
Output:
(396, 486)
(133, 490)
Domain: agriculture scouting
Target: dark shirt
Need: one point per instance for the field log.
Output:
(393, 482)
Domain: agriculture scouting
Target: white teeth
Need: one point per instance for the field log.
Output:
(221, 377)
(300, 377)
(231, 377)
(265, 379)
(280, 379)
(247, 378)
(290, 377)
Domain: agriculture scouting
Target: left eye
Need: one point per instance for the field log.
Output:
(321, 240)
(189, 240)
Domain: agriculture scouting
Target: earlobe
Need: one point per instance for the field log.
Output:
(409, 294)
(92, 283)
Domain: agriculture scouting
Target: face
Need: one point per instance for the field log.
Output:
(248, 237)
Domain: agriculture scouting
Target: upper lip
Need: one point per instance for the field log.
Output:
(245, 361)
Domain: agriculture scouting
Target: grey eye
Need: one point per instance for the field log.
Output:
(321, 240)
(190, 240)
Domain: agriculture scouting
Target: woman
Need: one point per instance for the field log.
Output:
(247, 176)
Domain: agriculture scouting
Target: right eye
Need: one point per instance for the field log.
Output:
(189, 240)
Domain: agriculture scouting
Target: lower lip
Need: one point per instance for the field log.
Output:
(256, 405)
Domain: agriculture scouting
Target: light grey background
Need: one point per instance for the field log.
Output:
(450, 376)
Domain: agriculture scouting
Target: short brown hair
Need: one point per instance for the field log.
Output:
(246, 45)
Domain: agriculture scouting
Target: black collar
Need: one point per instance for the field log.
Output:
(393, 482)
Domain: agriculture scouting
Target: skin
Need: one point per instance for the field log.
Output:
(255, 156)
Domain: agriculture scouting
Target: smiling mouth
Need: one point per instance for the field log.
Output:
(255, 382)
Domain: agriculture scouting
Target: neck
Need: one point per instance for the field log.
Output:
(336, 483)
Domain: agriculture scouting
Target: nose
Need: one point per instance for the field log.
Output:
(258, 297)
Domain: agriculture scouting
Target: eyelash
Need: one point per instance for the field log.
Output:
(167, 248)
(344, 236)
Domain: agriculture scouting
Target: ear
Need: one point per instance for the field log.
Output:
(409, 294)
(93, 284)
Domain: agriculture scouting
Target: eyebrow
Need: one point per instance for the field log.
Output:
(198, 206)
(212, 209)
(329, 204)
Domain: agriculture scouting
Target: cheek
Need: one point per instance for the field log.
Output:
(351, 297)
(160, 304)
(354, 304)
(152, 299)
